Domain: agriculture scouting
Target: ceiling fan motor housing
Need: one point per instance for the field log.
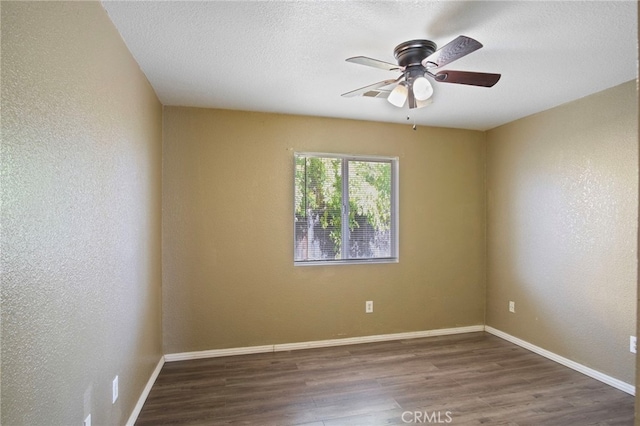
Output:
(412, 52)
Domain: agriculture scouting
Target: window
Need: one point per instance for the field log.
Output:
(346, 209)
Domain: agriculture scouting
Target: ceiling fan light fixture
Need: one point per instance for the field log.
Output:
(422, 89)
(417, 60)
(398, 95)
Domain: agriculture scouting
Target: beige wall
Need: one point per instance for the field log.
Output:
(637, 358)
(228, 274)
(81, 202)
(562, 225)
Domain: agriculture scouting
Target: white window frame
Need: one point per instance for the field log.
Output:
(395, 210)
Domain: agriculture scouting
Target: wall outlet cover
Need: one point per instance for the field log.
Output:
(368, 306)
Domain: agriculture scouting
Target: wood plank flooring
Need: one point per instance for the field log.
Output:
(465, 379)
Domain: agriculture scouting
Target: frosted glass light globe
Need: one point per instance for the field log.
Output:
(398, 95)
(422, 89)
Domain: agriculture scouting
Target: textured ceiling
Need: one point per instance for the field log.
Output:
(289, 56)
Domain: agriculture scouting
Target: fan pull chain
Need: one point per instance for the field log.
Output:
(414, 123)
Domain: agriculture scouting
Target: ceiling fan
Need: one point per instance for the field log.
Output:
(418, 59)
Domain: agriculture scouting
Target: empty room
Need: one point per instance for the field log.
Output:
(318, 212)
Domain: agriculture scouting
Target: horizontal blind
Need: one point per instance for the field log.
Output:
(344, 208)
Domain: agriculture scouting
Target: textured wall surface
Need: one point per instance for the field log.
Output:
(81, 203)
(228, 274)
(637, 406)
(562, 229)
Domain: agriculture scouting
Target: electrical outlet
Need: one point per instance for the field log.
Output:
(87, 421)
(633, 345)
(512, 307)
(368, 306)
(114, 390)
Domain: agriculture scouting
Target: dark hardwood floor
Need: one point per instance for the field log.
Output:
(465, 379)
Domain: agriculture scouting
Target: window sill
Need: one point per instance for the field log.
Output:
(346, 262)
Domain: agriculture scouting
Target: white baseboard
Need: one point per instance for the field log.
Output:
(145, 393)
(319, 343)
(376, 338)
(214, 353)
(611, 381)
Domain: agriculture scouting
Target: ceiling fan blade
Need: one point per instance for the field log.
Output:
(465, 77)
(370, 62)
(455, 49)
(363, 90)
